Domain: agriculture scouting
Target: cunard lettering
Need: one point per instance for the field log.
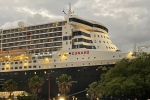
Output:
(80, 52)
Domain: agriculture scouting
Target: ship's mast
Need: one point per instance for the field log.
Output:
(69, 12)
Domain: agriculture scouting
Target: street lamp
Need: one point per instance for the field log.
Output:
(73, 84)
(48, 73)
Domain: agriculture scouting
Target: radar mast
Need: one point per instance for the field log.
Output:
(69, 12)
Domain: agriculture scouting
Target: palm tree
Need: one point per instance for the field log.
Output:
(10, 86)
(35, 84)
(64, 83)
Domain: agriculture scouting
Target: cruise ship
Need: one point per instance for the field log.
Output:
(76, 46)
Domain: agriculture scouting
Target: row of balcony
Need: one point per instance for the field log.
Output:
(55, 33)
(48, 39)
(52, 25)
(41, 45)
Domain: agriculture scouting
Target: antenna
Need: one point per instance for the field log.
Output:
(134, 46)
(21, 24)
(70, 13)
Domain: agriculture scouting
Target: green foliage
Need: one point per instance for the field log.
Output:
(25, 97)
(35, 84)
(104, 68)
(94, 91)
(64, 83)
(10, 86)
(128, 77)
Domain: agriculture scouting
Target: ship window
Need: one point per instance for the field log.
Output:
(30, 66)
(16, 62)
(54, 65)
(2, 68)
(16, 67)
(34, 61)
(20, 67)
(25, 66)
(33, 57)
(20, 62)
(44, 66)
(3, 63)
(11, 68)
(69, 37)
(34, 66)
(65, 38)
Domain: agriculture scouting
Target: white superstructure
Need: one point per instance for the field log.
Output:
(72, 42)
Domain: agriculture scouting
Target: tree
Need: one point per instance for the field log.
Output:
(10, 86)
(64, 83)
(35, 84)
(128, 77)
(94, 91)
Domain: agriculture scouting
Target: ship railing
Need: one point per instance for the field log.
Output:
(33, 24)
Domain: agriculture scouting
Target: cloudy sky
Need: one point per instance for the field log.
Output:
(127, 20)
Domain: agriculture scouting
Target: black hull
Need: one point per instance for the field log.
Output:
(84, 76)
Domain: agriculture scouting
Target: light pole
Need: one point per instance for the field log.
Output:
(48, 73)
(73, 84)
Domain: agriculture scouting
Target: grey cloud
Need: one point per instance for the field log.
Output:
(126, 19)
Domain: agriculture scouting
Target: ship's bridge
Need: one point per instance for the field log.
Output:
(90, 35)
(88, 24)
